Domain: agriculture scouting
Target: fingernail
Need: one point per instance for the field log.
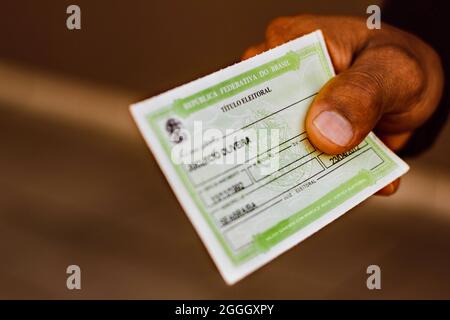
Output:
(334, 127)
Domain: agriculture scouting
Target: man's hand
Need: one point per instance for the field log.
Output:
(387, 80)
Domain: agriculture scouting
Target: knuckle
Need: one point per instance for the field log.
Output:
(405, 66)
(286, 28)
(366, 86)
(277, 26)
(279, 22)
(357, 95)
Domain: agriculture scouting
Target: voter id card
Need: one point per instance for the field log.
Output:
(234, 149)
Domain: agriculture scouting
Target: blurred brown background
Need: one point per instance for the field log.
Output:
(79, 186)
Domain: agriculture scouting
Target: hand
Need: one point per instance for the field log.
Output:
(387, 80)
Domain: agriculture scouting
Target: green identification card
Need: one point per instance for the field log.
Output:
(234, 149)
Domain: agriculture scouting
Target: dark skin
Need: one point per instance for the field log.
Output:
(387, 80)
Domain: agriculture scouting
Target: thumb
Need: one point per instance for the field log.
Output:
(349, 106)
(343, 113)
